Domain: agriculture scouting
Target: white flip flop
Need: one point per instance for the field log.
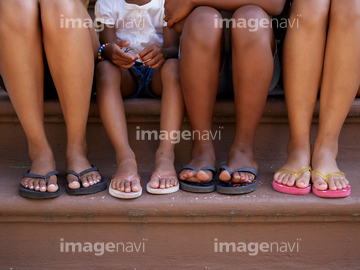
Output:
(159, 191)
(125, 195)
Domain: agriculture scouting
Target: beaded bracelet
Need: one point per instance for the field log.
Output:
(100, 51)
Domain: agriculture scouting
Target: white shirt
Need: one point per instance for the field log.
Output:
(140, 25)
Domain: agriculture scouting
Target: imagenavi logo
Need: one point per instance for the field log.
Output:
(254, 248)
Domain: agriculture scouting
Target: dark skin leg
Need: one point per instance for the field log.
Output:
(200, 84)
(253, 64)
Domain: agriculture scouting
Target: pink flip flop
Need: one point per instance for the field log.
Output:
(293, 189)
(339, 193)
(162, 190)
(125, 195)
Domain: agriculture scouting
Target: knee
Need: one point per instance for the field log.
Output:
(252, 26)
(200, 29)
(345, 13)
(310, 14)
(104, 73)
(53, 11)
(19, 16)
(170, 70)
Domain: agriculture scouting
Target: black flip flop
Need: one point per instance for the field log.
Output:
(35, 194)
(102, 185)
(201, 187)
(241, 188)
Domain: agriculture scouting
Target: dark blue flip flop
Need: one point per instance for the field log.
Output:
(102, 185)
(35, 194)
(243, 188)
(201, 187)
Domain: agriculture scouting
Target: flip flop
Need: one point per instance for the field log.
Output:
(293, 189)
(201, 187)
(102, 185)
(125, 195)
(35, 194)
(162, 190)
(339, 193)
(240, 188)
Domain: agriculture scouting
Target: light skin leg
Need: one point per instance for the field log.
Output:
(23, 73)
(70, 57)
(303, 56)
(338, 89)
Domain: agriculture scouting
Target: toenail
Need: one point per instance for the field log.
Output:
(302, 182)
(333, 187)
(321, 184)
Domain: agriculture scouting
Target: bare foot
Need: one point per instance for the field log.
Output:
(79, 163)
(126, 167)
(239, 158)
(164, 165)
(202, 155)
(42, 164)
(297, 159)
(324, 161)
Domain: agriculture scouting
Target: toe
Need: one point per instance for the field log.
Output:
(135, 185)
(31, 184)
(225, 176)
(73, 182)
(291, 180)
(319, 183)
(24, 182)
(89, 179)
(84, 181)
(163, 183)
(285, 179)
(37, 184)
(332, 184)
(280, 178)
(52, 184)
(344, 182)
(185, 174)
(167, 182)
(204, 175)
(122, 186)
(154, 181)
(42, 185)
(127, 187)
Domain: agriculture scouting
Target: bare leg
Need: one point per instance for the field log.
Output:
(21, 66)
(112, 82)
(199, 72)
(70, 56)
(172, 114)
(339, 87)
(303, 60)
(253, 65)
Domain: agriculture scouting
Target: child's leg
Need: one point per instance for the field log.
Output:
(172, 114)
(71, 62)
(339, 86)
(22, 69)
(253, 65)
(111, 83)
(199, 73)
(302, 67)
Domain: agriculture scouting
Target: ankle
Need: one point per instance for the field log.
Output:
(162, 153)
(76, 150)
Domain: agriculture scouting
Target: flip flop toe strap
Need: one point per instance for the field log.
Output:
(296, 174)
(126, 177)
(33, 175)
(326, 177)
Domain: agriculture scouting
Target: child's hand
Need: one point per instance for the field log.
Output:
(115, 54)
(176, 10)
(152, 56)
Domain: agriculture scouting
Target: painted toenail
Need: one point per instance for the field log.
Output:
(333, 187)
(302, 182)
(321, 184)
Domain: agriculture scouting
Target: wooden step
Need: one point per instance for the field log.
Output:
(182, 230)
